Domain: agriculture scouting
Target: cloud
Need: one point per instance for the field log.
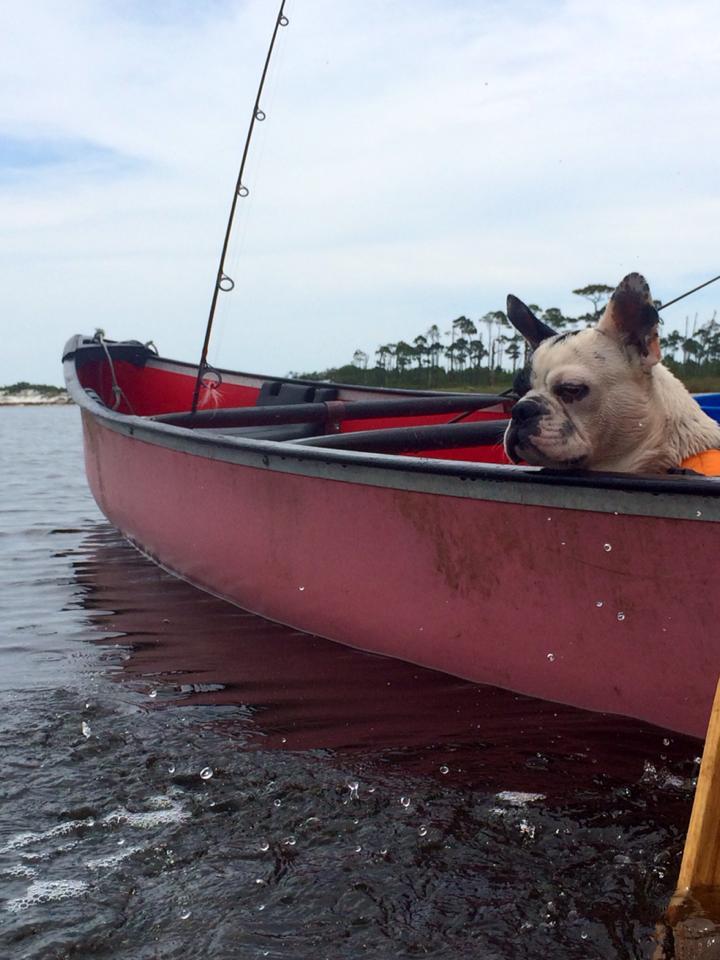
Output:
(21, 157)
(419, 160)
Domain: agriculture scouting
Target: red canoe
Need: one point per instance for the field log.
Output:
(390, 521)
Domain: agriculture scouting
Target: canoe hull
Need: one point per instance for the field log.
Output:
(610, 610)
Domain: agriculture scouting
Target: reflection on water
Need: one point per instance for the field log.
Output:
(300, 692)
(182, 779)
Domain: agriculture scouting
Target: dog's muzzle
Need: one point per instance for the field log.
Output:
(524, 423)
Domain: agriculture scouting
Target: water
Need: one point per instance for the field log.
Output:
(182, 779)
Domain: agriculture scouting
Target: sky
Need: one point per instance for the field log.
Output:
(420, 160)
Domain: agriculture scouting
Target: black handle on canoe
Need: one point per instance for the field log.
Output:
(335, 410)
(442, 436)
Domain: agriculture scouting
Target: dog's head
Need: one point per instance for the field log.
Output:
(589, 403)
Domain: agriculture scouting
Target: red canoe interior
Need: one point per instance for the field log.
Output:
(161, 387)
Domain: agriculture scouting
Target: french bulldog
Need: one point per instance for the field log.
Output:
(600, 399)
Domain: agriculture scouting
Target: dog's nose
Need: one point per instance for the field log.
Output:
(526, 410)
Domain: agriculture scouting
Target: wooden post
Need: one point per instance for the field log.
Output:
(691, 930)
(700, 866)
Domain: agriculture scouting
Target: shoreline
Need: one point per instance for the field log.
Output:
(34, 398)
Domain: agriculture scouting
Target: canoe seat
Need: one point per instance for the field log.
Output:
(275, 392)
(283, 431)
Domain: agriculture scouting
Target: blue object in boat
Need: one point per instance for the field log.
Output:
(710, 402)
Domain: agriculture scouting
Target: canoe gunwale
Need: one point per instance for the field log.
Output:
(681, 497)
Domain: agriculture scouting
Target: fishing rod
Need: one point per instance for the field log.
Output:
(224, 283)
(683, 295)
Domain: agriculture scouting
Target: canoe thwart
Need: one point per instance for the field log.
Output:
(443, 436)
(330, 410)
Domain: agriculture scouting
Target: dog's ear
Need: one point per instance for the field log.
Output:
(631, 317)
(526, 323)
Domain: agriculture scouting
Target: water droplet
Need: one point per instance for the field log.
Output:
(621, 615)
(86, 731)
(264, 846)
(259, 881)
(301, 589)
(405, 802)
(276, 803)
(583, 935)
(528, 829)
(422, 830)
(607, 547)
(171, 768)
(261, 906)
(353, 787)
(121, 841)
(551, 657)
(698, 513)
(185, 915)
(289, 841)
(206, 773)
(666, 741)
(598, 603)
(562, 543)
(383, 852)
(358, 849)
(444, 770)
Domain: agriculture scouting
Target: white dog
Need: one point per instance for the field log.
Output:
(600, 399)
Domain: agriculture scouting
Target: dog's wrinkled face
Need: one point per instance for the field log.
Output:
(588, 405)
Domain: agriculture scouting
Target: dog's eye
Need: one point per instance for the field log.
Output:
(569, 392)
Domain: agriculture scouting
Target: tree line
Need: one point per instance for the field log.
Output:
(22, 385)
(489, 350)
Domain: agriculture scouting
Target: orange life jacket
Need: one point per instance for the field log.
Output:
(707, 462)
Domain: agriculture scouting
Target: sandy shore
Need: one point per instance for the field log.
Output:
(27, 398)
